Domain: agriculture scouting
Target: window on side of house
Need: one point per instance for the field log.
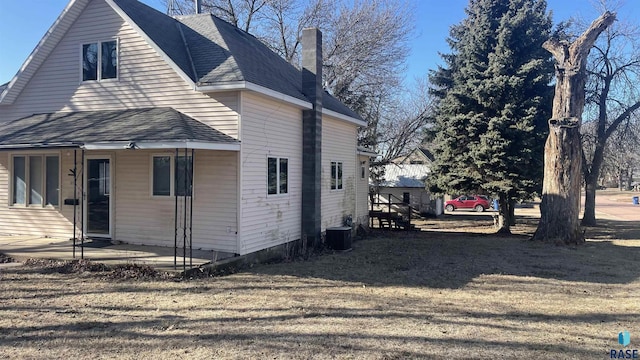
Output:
(100, 60)
(184, 173)
(169, 177)
(277, 176)
(336, 175)
(363, 170)
(36, 180)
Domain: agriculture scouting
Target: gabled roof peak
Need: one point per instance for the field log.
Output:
(203, 49)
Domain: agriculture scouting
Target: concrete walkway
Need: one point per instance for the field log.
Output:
(160, 258)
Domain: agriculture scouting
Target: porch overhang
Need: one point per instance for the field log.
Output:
(149, 128)
(151, 145)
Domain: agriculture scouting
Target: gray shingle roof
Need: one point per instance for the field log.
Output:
(80, 128)
(160, 28)
(217, 52)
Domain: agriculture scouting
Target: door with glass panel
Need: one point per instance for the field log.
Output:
(98, 197)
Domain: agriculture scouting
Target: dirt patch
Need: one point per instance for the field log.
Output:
(397, 295)
(121, 271)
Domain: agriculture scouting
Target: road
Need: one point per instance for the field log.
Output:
(617, 205)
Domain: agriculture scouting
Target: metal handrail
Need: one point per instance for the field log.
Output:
(390, 203)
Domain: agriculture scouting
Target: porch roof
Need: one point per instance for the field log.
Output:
(149, 128)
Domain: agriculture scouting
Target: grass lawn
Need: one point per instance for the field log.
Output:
(455, 291)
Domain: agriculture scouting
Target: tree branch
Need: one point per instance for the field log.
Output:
(580, 48)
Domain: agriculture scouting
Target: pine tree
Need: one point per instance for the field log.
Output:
(494, 102)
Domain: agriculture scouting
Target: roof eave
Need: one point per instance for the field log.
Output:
(157, 145)
(343, 117)
(245, 85)
(38, 54)
(151, 43)
(39, 146)
(368, 153)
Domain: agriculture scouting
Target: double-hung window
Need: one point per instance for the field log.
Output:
(100, 60)
(336, 175)
(171, 178)
(277, 175)
(36, 180)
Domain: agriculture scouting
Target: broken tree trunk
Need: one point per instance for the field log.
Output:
(560, 207)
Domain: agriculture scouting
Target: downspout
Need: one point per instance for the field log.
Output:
(192, 182)
(175, 214)
(75, 196)
(82, 198)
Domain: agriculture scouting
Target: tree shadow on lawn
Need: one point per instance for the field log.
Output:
(446, 258)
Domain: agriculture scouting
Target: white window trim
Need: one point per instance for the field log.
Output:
(172, 166)
(278, 193)
(99, 70)
(26, 155)
(341, 188)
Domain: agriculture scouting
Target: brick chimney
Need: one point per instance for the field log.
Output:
(312, 136)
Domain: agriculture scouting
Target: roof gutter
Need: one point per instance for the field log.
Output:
(40, 146)
(343, 117)
(245, 85)
(156, 145)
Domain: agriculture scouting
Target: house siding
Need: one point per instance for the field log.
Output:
(338, 144)
(269, 129)
(144, 79)
(362, 195)
(143, 219)
(36, 220)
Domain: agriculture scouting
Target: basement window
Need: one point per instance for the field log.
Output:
(100, 60)
(277, 175)
(336, 175)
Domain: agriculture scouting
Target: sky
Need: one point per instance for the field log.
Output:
(23, 23)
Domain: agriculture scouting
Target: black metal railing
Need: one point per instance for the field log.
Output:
(393, 212)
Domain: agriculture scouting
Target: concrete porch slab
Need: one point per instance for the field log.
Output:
(161, 258)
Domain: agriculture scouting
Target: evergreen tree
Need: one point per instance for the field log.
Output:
(494, 102)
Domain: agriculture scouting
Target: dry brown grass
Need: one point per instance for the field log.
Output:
(437, 294)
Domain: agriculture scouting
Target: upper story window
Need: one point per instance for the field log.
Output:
(100, 60)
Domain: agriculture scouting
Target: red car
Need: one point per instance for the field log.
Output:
(478, 203)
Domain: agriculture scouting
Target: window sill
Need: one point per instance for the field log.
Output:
(33, 207)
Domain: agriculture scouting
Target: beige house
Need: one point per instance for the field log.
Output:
(138, 127)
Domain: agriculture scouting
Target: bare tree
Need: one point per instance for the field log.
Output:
(613, 96)
(560, 207)
(407, 118)
(240, 13)
(365, 47)
(622, 156)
